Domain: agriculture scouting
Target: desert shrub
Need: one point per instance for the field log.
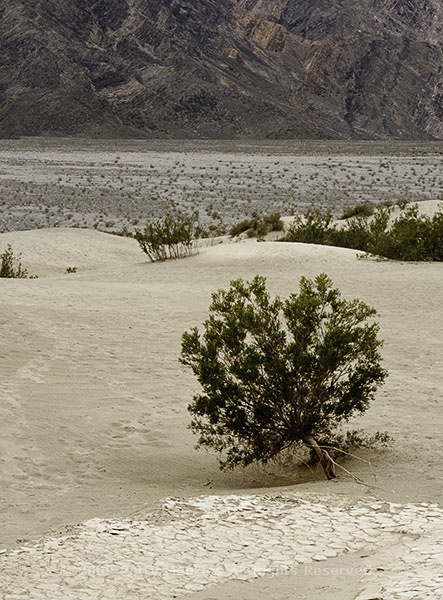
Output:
(360, 210)
(215, 230)
(240, 227)
(402, 203)
(412, 236)
(314, 227)
(360, 232)
(175, 236)
(379, 223)
(273, 222)
(258, 225)
(354, 234)
(11, 266)
(275, 373)
(436, 236)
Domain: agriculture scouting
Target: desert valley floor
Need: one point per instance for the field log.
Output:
(102, 492)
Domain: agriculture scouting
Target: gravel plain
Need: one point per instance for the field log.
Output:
(120, 185)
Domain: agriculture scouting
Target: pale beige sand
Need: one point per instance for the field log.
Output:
(93, 399)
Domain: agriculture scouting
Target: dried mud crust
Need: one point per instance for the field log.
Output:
(190, 545)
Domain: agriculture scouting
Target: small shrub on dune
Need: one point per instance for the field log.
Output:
(11, 266)
(273, 222)
(354, 234)
(436, 236)
(240, 228)
(361, 210)
(258, 226)
(360, 232)
(314, 227)
(175, 236)
(280, 373)
(412, 236)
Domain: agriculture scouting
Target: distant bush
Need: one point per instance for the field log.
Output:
(11, 266)
(411, 236)
(258, 225)
(240, 227)
(402, 203)
(314, 227)
(172, 237)
(214, 230)
(361, 233)
(361, 210)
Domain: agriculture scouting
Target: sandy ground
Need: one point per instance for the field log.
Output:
(93, 400)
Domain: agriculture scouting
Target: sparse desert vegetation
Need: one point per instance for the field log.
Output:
(96, 449)
(408, 235)
(170, 237)
(11, 265)
(120, 185)
(258, 225)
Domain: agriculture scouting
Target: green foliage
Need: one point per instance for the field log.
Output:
(172, 237)
(361, 210)
(314, 227)
(258, 226)
(360, 232)
(11, 266)
(215, 230)
(71, 270)
(402, 203)
(275, 372)
(411, 236)
(354, 234)
(240, 227)
(436, 236)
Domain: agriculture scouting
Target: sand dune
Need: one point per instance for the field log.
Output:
(93, 400)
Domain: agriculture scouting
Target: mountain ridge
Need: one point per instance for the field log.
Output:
(222, 69)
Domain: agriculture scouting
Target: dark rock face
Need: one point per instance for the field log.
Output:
(222, 68)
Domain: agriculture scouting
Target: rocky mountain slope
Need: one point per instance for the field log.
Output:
(222, 68)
